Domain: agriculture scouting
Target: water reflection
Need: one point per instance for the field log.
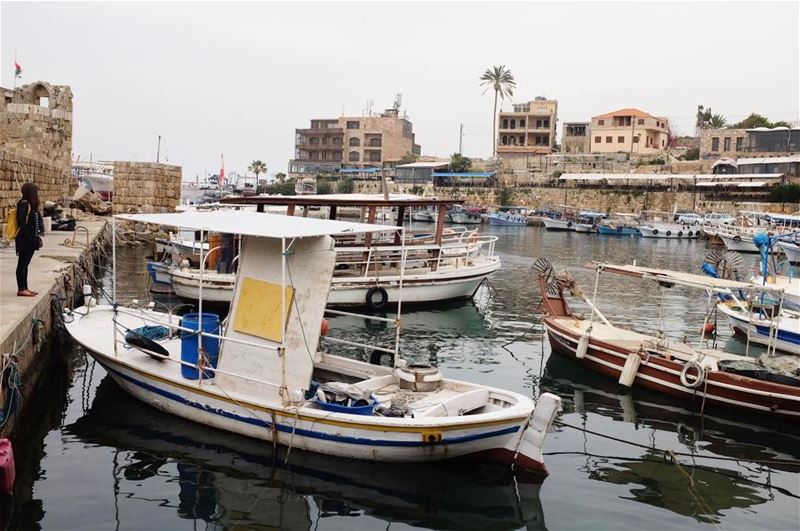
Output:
(232, 481)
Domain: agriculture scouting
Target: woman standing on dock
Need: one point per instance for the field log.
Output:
(28, 239)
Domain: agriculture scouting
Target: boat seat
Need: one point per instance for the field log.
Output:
(457, 405)
(379, 382)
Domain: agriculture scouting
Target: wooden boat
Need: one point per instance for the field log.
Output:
(260, 373)
(767, 385)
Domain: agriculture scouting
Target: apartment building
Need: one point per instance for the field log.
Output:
(732, 142)
(629, 131)
(352, 142)
(529, 129)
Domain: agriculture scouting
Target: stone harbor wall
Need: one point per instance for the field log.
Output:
(137, 184)
(36, 123)
(53, 181)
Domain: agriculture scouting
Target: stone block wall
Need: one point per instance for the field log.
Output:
(53, 181)
(146, 183)
(36, 123)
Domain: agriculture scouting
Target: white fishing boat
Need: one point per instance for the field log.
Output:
(791, 250)
(560, 224)
(423, 216)
(660, 225)
(464, 216)
(260, 372)
(97, 176)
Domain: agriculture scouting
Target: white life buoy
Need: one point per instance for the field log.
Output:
(698, 380)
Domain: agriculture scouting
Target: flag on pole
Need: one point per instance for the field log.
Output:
(222, 170)
(17, 69)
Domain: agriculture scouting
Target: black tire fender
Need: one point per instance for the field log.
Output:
(737, 238)
(680, 234)
(655, 231)
(669, 233)
(377, 355)
(381, 303)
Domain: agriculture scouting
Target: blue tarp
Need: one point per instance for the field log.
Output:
(467, 174)
(359, 170)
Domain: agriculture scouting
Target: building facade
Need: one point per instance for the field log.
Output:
(352, 142)
(629, 131)
(732, 143)
(529, 129)
(576, 137)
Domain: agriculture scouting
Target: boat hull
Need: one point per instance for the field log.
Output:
(678, 233)
(559, 224)
(792, 252)
(661, 375)
(619, 231)
(507, 222)
(787, 340)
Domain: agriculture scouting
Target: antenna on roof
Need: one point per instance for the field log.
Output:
(398, 100)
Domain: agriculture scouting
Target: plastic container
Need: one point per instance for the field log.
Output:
(352, 410)
(7, 469)
(190, 343)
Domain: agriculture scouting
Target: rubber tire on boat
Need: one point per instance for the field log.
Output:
(376, 357)
(689, 234)
(381, 304)
(737, 238)
(680, 234)
(655, 231)
(669, 233)
(569, 224)
(700, 375)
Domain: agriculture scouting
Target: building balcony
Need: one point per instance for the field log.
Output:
(306, 146)
(333, 131)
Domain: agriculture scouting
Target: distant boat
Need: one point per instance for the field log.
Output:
(510, 217)
(96, 176)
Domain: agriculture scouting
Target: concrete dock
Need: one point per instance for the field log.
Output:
(27, 323)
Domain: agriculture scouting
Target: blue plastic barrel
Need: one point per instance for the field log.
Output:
(190, 341)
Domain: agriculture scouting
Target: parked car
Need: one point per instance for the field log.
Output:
(689, 218)
(716, 219)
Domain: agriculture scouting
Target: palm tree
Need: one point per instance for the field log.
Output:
(257, 167)
(500, 79)
(717, 121)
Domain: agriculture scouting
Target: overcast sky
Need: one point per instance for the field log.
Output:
(239, 78)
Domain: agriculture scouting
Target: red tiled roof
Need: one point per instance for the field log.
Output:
(629, 111)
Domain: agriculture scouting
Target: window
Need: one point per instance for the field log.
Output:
(620, 139)
(608, 140)
(547, 123)
(355, 141)
(352, 124)
(375, 142)
(337, 141)
(598, 140)
(538, 124)
(636, 139)
(375, 156)
(337, 155)
(313, 155)
(505, 140)
(505, 123)
(601, 122)
(522, 124)
(640, 121)
(521, 140)
(726, 144)
(739, 142)
(353, 156)
(715, 143)
(313, 140)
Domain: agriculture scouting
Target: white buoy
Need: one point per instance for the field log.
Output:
(583, 346)
(630, 369)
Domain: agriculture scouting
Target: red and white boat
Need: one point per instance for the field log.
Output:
(767, 385)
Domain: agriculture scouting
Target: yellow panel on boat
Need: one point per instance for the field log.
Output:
(259, 310)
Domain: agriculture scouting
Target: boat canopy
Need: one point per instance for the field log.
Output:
(347, 200)
(257, 224)
(684, 279)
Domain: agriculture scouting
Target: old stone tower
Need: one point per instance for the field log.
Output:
(36, 123)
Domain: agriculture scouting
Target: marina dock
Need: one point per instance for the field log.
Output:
(28, 323)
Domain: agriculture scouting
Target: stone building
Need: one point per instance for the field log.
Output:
(35, 141)
(352, 142)
(529, 129)
(575, 138)
(629, 131)
(760, 141)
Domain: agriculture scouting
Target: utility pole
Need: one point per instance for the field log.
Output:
(461, 139)
(158, 149)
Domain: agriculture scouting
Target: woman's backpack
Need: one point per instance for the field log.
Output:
(12, 227)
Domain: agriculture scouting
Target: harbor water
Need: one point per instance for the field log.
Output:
(91, 457)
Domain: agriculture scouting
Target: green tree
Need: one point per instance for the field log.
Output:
(280, 177)
(717, 121)
(785, 193)
(345, 186)
(703, 117)
(505, 197)
(460, 163)
(408, 158)
(257, 167)
(499, 79)
(417, 190)
(752, 121)
(323, 187)
(692, 154)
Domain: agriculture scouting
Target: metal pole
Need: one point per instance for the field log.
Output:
(158, 150)
(200, 305)
(461, 139)
(113, 259)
